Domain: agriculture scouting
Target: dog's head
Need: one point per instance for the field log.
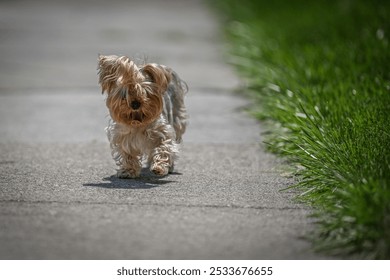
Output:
(134, 93)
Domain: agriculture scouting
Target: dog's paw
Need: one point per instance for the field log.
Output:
(160, 170)
(127, 174)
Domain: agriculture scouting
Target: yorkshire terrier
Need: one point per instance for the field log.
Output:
(148, 116)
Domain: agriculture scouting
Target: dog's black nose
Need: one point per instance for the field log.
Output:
(135, 104)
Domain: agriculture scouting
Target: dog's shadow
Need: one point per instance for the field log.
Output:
(147, 180)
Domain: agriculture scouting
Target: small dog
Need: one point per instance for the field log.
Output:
(148, 116)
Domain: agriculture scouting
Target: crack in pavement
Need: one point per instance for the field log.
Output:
(229, 206)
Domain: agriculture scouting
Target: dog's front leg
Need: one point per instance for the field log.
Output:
(130, 166)
(162, 157)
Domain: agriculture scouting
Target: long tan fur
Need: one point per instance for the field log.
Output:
(146, 104)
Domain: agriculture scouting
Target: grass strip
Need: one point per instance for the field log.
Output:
(319, 71)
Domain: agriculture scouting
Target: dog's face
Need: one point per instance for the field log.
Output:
(134, 94)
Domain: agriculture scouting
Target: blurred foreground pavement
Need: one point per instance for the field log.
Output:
(59, 198)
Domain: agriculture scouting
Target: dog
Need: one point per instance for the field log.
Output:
(148, 115)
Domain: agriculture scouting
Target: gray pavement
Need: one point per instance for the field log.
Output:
(59, 198)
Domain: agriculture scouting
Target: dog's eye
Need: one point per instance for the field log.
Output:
(123, 94)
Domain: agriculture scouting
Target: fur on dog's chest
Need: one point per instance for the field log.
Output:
(136, 140)
(139, 140)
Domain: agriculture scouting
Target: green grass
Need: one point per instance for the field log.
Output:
(319, 72)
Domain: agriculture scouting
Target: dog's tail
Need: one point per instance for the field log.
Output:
(174, 97)
(179, 82)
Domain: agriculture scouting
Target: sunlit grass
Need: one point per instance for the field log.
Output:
(319, 72)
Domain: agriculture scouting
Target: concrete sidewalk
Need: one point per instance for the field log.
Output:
(59, 198)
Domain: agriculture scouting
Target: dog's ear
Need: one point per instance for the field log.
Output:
(117, 71)
(159, 75)
(111, 71)
(107, 71)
